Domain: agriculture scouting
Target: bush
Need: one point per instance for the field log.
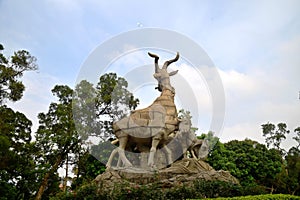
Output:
(213, 189)
(264, 197)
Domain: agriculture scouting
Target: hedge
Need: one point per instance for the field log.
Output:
(262, 197)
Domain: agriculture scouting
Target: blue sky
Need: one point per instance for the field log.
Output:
(254, 44)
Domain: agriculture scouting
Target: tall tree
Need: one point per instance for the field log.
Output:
(56, 136)
(17, 166)
(78, 115)
(11, 70)
(293, 166)
(297, 137)
(95, 108)
(84, 110)
(274, 135)
(288, 180)
(293, 171)
(113, 100)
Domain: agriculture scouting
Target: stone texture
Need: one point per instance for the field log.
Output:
(181, 172)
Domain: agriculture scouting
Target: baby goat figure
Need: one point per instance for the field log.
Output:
(191, 145)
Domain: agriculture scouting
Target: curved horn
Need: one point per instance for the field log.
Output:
(155, 61)
(167, 63)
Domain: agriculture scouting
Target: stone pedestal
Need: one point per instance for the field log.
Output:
(181, 172)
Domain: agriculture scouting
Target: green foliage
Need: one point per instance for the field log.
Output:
(263, 197)
(17, 166)
(88, 167)
(56, 137)
(199, 189)
(297, 137)
(11, 69)
(18, 177)
(113, 100)
(95, 108)
(84, 110)
(212, 189)
(288, 180)
(112, 93)
(292, 178)
(252, 163)
(7, 190)
(57, 131)
(274, 136)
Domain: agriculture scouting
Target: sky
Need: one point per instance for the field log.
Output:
(254, 45)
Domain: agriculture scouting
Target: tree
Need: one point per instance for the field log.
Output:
(249, 161)
(85, 110)
(87, 168)
(11, 70)
(60, 135)
(292, 179)
(222, 158)
(56, 136)
(95, 108)
(293, 171)
(17, 167)
(288, 180)
(113, 100)
(274, 136)
(297, 137)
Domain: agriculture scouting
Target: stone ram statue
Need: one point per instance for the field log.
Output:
(150, 127)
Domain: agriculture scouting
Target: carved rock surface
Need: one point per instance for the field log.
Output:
(181, 172)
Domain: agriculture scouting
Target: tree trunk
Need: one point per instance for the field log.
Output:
(298, 187)
(66, 177)
(272, 189)
(46, 177)
(52, 170)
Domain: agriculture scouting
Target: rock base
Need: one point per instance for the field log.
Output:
(182, 172)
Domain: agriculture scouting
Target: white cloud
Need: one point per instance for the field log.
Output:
(239, 34)
(193, 94)
(266, 92)
(195, 81)
(239, 86)
(37, 96)
(263, 94)
(241, 131)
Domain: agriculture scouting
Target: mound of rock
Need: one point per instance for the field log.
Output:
(181, 172)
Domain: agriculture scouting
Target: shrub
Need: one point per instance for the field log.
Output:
(264, 197)
(213, 189)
